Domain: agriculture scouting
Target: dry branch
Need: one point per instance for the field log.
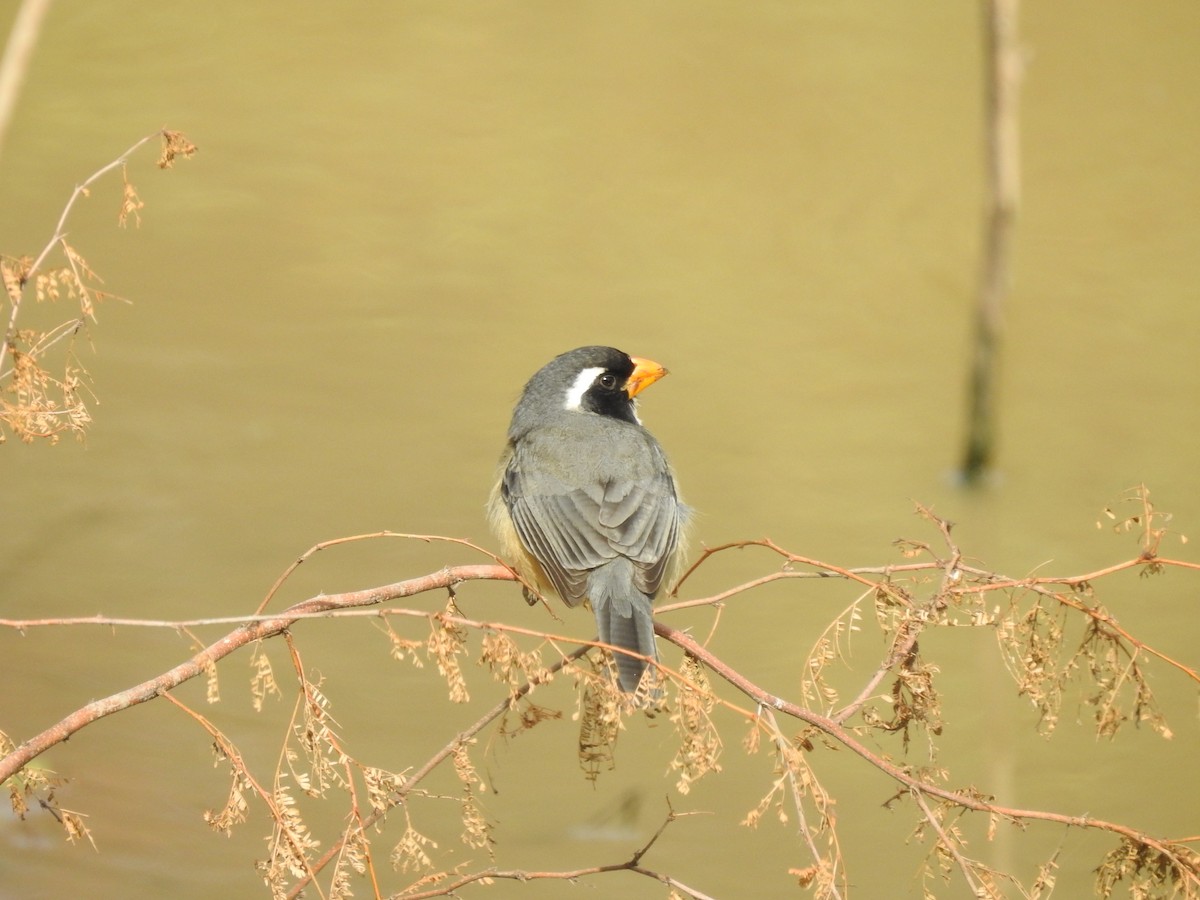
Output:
(909, 599)
(44, 405)
(249, 633)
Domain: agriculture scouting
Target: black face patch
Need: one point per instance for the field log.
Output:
(575, 381)
(607, 396)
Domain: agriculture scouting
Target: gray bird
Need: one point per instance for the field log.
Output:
(586, 503)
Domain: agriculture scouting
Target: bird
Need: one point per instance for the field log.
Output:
(585, 503)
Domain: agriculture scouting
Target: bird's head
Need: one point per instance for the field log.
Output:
(599, 380)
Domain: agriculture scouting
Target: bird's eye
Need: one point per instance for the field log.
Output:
(608, 381)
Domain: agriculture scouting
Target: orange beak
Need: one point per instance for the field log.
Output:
(645, 373)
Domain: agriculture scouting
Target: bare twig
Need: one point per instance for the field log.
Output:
(451, 887)
(633, 864)
(336, 542)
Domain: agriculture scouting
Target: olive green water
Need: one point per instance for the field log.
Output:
(399, 211)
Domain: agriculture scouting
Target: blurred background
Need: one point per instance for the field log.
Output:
(400, 211)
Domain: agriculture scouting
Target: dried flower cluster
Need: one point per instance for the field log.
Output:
(39, 785)
(41, 399)
(699, 740)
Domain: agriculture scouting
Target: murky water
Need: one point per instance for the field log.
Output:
(400, 211)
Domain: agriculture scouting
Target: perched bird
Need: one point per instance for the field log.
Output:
(586, 503)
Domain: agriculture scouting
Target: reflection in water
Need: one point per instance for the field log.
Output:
(618, 820)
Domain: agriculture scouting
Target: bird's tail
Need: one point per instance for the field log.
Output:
(624, 617)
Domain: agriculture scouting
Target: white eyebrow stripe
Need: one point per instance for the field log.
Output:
(583, 381)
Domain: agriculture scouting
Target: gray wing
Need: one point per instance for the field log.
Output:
(572, 531)
(641, 520)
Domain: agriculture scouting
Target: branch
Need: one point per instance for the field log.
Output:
(438, 758)
(231, 753)
(81, 190)
(335, 542)
(255, 631)
(1041, 586)
(823, 570)
(957, 585)
(834, 730)
(45, 406)
(952, 569)
(633, 864)
(951, 846)
(570, 875)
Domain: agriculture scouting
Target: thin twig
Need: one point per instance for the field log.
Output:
(783, 746)
(441, 756)
(524, 875)
(633, 864)
(964, 865)
(335, 542)
(235, 759)
(59, 236)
